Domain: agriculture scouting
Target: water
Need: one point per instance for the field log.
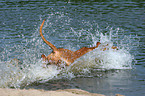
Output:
(72, 25)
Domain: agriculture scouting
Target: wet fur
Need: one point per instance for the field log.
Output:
(60, 55)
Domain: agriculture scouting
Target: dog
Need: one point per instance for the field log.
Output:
(59, 55)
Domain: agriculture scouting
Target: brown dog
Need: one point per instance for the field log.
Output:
(59, 54)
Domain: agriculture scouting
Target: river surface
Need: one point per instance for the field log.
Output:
(74, 24)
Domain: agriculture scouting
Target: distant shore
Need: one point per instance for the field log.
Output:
(39, 92)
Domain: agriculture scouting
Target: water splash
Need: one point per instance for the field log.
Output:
(28, 69)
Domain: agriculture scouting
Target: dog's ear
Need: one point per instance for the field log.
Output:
(43, 56)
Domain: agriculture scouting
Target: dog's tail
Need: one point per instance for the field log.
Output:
(47, 42)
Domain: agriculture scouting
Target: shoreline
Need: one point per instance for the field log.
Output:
(41, 92)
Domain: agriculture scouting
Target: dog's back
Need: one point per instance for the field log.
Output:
(60, 54)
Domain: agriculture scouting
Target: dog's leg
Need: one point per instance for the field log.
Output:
(114, 47)
(105, 47)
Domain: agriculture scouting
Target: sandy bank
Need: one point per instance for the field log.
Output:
(34, 92)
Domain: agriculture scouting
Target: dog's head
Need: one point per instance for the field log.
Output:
(53, 58)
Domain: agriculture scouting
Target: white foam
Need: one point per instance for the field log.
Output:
(32, 69)
(14, 76)
(18, 76)
(109, 59)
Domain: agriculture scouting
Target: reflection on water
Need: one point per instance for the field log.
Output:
(110, 82)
